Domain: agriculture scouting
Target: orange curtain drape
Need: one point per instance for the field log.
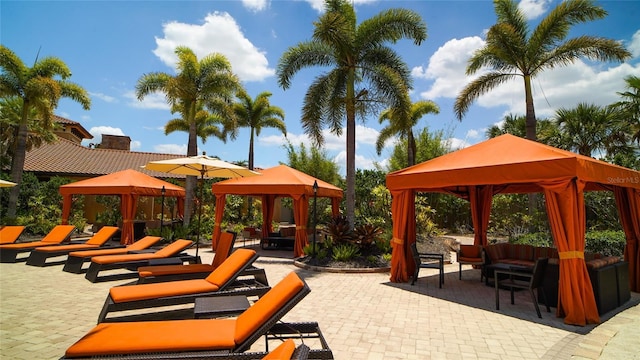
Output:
(128, 206)
(66, 208)
(221, 201)
(402, 210)
(480, 198)
(300, 216)
(335, 206)
(267, 214)
(628, 203)
(566, 212)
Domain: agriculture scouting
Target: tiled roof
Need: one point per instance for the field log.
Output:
(83, 133)
(67, 158)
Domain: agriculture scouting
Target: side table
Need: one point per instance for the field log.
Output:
(219, 306)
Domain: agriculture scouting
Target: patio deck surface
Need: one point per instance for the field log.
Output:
(363, 316)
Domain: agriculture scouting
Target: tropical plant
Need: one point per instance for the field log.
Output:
(40, 88)
(428, 145)
(208, 82)
(345, 252)
(630, 104)
(402, 123)
(513, 51)
(590, 128)
(256, 114)
(313, 161)
(364, 74)
(366, 235)
(339, 230)
(207, 125)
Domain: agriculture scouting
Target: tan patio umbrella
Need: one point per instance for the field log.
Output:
(200, 165)
(4, 183)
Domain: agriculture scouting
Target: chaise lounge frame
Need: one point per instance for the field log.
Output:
(233, 286)
(264, 329)
(76, 259)
(39, 255)
(9, 252)
(176, 258)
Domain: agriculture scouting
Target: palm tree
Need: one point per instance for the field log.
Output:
(512, 51)
(209, 82)
(40, 87)
(354, 55)
(401, 123)
(207, 125)
(590, 128)
(630, 106)
(256, 114)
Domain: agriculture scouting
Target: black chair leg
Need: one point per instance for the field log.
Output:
(415, 276)
(535, 303)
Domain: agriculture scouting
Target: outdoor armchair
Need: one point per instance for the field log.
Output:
(10, 233)
(133, 261)
(39, 256)
(161, 273)
(223, 281)
(202, 338)
(471, 255)
(427, 261)
(60, 233)
(518, 279)
(76, 259)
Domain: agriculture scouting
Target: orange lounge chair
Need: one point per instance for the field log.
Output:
(60, 233)
(170, 253)
(10, 233)
(201, 338)
(39, 256)
(76, 259)
(160, 273)
(223, 281)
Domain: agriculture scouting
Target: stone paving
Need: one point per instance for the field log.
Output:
(363, 316)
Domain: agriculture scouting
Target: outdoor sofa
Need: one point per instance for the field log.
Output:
(608, 274)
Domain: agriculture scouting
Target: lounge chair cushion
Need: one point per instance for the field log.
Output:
(155, 336)
(262, 310)
(230, 267)
(141, 244)
(171, 249)
(283, 351)
(103, 235)
(158, 290)
(72, 247)
(161, 270)
(57, 233)
(10, 233)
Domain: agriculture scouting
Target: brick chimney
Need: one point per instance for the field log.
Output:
(115, 142)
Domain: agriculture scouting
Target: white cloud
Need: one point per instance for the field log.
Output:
(457, 144)
(154, 100)
(634, 45)
(552, 89)
(171, 148)
(219, 33)
(103, 97)
(135, 144)
(361, 162)
(447, 67)
(255, 5)
(533, 9)
(97, 131)
(473, 134)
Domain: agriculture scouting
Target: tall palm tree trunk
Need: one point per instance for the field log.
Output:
(249, 198)
(530, 126)
(351, 149)
(411, 149)
(17, 163)
(191, 181)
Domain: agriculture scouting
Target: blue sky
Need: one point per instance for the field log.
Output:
(109, 45)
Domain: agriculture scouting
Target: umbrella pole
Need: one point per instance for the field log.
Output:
(199, 214)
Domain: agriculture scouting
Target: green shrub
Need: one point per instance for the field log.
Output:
(386, 257)
(345, 252)
(534, 239)
(607, 243)
(321, 252)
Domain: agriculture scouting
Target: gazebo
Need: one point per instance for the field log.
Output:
(129, 185)
(278, 181)
(509, 164)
